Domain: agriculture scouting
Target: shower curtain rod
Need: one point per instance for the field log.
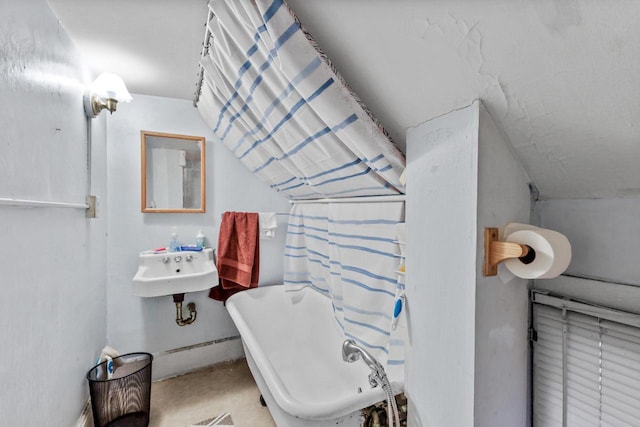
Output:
(277, 214)
(361, 199)
(205, 50)
(41, 203)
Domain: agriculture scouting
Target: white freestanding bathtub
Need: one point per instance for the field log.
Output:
(294, 350)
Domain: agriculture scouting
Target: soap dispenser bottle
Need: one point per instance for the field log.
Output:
(200, 242)
(174, 245)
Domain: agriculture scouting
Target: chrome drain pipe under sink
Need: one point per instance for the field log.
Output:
(179, 299)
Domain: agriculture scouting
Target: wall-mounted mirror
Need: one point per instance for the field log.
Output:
(173, 173)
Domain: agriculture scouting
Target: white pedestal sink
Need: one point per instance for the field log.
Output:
(174, 273)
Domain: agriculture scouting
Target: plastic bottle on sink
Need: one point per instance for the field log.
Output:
(174, 245)
(200, 239)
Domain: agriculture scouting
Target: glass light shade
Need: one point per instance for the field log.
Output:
(109, 85)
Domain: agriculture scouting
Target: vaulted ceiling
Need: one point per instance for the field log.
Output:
(560, 78)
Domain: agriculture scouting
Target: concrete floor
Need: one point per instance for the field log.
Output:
(206, 393)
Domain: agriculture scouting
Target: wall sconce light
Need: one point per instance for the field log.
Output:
(105, 93)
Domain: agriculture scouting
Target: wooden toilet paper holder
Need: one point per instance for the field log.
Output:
(496, 251)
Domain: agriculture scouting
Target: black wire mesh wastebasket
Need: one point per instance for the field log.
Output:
(124, 400)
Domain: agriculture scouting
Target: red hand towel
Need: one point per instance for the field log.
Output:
(238, 254)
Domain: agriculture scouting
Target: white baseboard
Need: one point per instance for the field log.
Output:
(182, 360)
(86, 417)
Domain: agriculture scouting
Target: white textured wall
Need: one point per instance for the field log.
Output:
(556, 75)
(603, 235)
(467, 364)
(604, 244)
(148, 324)
(441, 228)
(52, 261)
(501, 309)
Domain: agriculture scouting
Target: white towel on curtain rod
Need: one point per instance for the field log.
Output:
(349, 252)
(285, 113)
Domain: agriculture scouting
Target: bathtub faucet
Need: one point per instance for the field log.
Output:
(352, 352)
(378, 377)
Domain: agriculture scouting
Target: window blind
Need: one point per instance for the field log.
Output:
(586, 366)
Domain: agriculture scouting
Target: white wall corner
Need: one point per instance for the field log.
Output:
(501, 351)
(467, 365)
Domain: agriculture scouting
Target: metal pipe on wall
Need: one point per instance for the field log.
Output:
(41, 203)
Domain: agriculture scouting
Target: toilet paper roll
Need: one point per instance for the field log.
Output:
(553, 252)
(504, 274)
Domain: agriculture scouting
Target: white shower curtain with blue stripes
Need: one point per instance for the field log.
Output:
(350, 253)
(274, 99)
(276, 102)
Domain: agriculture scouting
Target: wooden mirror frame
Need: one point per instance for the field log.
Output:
(203, 163)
